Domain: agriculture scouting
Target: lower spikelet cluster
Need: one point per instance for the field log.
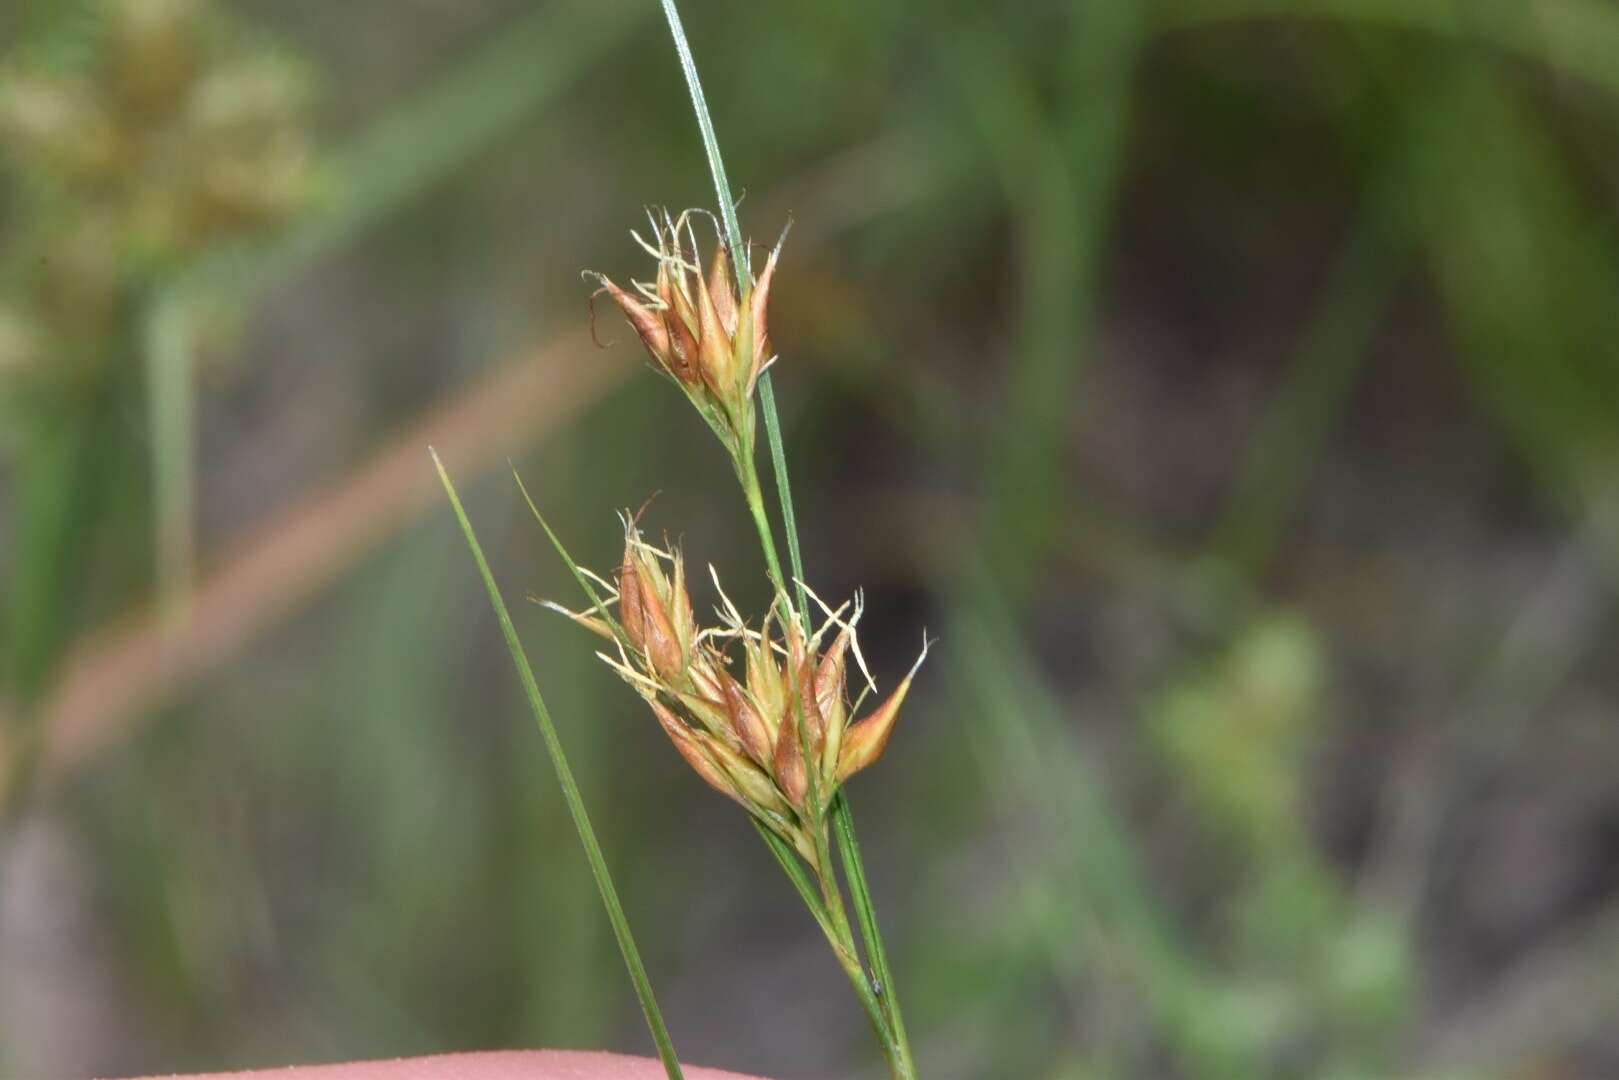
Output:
(779, 736)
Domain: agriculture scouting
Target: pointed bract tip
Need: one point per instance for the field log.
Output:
(866, 740)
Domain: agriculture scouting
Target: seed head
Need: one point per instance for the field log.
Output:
(699, 330)
(655, 611)
(780, 737)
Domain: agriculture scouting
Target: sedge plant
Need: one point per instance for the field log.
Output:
(759, 709)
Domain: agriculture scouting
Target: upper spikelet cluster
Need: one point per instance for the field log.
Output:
(779, 734)
(710, 338)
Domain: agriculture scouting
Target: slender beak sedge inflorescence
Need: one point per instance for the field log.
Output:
(757, 738)
(760, 710)
(709, 340)
(778, 734)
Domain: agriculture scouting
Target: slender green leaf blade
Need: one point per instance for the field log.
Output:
(570, 791)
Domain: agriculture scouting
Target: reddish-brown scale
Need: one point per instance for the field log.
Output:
(717, 361)
(631, 610)
(745, 721)
(647, 323)
(722, 288)
(682, 343)
(702, 764)
(865, 741)
(788, 761)
(759, 316)
(829, 680)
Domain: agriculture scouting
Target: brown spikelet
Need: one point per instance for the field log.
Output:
(722, 288)
(662, 644)
(686, 743)
(745, 721)
(712, 715)
(682, 360)
(764, 679)
(788, 763)
(648, 324)
(756, 789)
(680, 613)
(829, 681)
(829, 697)
(866, 740)
(704, 670)
(801, 663)
(631, 610)
(715, 356)
(759, 315)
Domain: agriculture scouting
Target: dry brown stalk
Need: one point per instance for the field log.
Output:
(120, 672)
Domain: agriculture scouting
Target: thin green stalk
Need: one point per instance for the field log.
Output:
(841, 936)
(171, 399)
(793, 867)
(748, 475)
(784, 490)
(711, 147)
(891, 1028)
(866, 913)
(838, 936)
(739, 266)
(58, 506)
(570, 793)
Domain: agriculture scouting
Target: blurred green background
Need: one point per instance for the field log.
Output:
(1232, 386)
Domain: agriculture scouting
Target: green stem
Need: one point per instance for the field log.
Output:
(570, 794)
(58, 506)
(747, 473)
(784, 490)
(841, 937)
(885, 1013)
(171, 401)
(866, 913)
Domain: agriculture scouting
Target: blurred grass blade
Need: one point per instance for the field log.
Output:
(570, 791)
(1577, 36)
(1060, 166)
(1307, 408)
(171, 399)
(422, 142)
(1028, 755)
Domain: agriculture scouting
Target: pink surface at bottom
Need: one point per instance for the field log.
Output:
(490, 1065)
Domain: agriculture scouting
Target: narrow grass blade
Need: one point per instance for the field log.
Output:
(570, 792)
(171, 399)
(739, 263)
(1576, 36)
(885, 1013)
(422, 142)
(784, 491)
(573, 567)
(795, 872)
(711, 147)
(865, 913)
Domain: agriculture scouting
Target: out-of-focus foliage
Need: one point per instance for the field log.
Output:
(170, 131)
(1229, 385)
